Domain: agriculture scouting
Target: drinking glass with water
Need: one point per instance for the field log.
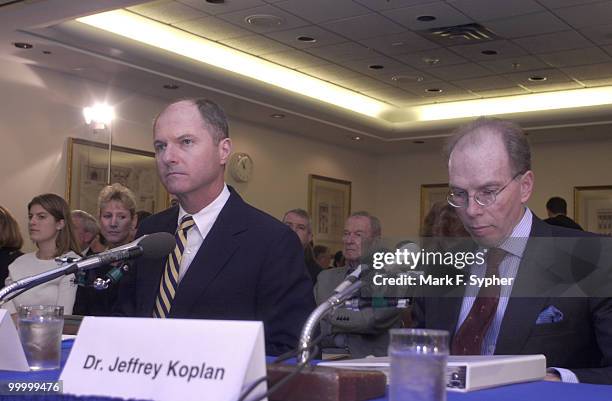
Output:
(40, 331)
(418, 365)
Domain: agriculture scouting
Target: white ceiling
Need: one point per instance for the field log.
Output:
(569, 42)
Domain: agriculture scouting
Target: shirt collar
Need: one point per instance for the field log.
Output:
(211, 209)
(517, 241)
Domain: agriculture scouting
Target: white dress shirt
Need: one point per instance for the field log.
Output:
(204, 220)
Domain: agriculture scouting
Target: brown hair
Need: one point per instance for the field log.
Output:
(58, 208)
(120, 193)
(10, 237)
(440, 226)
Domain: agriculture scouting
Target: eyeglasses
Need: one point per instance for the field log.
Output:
(484, 197)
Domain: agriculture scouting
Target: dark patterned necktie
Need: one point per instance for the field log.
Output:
(169, 280)
(468, 339)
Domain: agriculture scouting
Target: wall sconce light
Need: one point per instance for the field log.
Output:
(101, 116)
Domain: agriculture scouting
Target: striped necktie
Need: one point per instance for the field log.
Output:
(169, 281)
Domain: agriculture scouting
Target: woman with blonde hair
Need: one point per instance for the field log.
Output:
(10, 242)
(117, 216)
(50, 228)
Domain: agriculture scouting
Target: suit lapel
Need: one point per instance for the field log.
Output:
(528, 298)
(214, 253)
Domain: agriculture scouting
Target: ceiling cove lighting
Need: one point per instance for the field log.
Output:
(144, 30)
(515, 104)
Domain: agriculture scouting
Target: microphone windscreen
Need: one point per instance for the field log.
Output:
(157, 245)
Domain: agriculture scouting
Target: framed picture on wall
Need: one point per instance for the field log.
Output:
(87, 174)
(430, 194)
(329, 204)
(593, 208)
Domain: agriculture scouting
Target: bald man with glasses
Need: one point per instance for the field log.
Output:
(490, 180)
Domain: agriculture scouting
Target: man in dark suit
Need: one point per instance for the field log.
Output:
(541, 310)
(556, 207)
(232, 261)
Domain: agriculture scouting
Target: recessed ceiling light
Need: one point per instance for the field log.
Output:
(171, 86)
(537, 78)
(418, 142)
(356, 138)
(277, 116)
(431, 60)
(22, 45)
(407, 78)
(426, 18)
(376, 67)
(434, 90)
(264, 20)
(489, 52)
(516, 66)
(307, 39)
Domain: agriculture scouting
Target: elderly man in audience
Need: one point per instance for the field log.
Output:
(86, 229)
(489, 166)
(357, 333)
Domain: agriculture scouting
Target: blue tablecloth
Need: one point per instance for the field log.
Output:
(535, 391)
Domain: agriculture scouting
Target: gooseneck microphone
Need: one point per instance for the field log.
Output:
(148, 246)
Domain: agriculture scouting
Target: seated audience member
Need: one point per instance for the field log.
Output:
(442, 229)
(358, 333)
(50, 228)
(490, 179)
(10, 242)
(556, 208)
(86, 229)
(322, 256)
(299, 221)
(117, 206)
(140, 216)
(339, 260)
(239, 262)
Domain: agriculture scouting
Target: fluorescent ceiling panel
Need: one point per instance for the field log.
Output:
(144, 30)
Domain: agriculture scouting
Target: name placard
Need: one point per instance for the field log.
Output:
(13, 357)
(165, 359)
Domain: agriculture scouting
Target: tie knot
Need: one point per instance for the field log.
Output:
(495, 257)
(186, 223)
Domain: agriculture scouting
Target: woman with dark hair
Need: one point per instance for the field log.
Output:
(50, 228)
(10, 242)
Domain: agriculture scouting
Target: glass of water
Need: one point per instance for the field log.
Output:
(418, 364)
(40, 331)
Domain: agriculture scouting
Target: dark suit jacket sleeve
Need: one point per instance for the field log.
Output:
(284, 293)
(601, 313)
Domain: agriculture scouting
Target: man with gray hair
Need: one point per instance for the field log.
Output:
(86, 228)
(490, 179)
(298, 220)
(357, 333)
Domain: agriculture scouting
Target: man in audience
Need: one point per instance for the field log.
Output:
(231, 261)
(298, 220)
(489, 164)
(86, 229)
(357, 333)
(556, 207)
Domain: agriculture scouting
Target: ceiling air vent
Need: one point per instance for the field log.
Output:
(460, 34)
